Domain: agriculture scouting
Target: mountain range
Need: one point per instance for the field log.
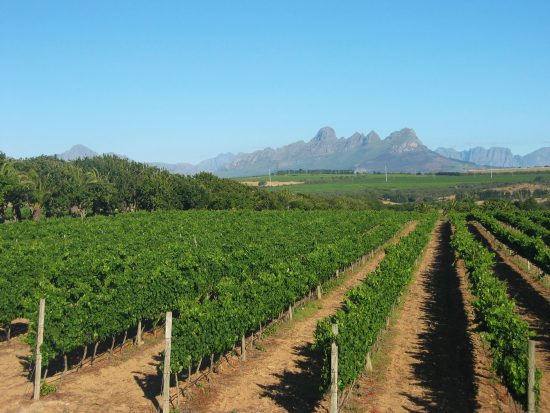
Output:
(498, 157)
(401, 151)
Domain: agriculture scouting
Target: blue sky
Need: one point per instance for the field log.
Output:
(183, 81)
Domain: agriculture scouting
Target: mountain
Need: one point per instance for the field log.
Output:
(402, 151)
(540, 157)
(498, 157)
(208, 165)
(213, 164)
(77, 152)
(176, 168)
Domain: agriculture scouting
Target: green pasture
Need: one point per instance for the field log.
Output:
(360, 183)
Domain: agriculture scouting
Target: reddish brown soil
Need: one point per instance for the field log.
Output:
(13, 383)
(285, 376)
(532, 304)
(427, 359)
(126, 383)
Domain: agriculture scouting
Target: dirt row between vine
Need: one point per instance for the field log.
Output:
(532, 304)
(130, 382)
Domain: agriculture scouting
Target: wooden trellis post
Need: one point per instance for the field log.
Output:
(531, 401)
(166, 372)
(334, 372)
(243, 348)
(38, 358)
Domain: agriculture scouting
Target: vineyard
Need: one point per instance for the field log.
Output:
(507, 334)
(101, 277)
(230, 277)
(368, 306)
(533, 248)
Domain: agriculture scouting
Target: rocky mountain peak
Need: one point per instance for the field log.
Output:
(325, 134)
(405, 133)
(359, 139)
(372, 137)
(404, 140)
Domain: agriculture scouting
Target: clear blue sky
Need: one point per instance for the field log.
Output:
(185, 80)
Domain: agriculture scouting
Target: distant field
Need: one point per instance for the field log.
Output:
(365, 183)
(545, 169)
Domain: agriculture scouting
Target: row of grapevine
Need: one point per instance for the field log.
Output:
(506, 332)
(103, 275)
(534, 249)
(367, 306)
(214, 325)
(541, 218)
(521, 221)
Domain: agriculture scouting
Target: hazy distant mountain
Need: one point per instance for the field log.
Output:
(402, 151)
(498, 157)
(540, 157)
(208, 165)
(77, 152)
(214, 164)
(175, 168)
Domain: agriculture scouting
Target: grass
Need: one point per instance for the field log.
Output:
(351, 183)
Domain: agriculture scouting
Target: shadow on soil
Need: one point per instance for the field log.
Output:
(530, 302)
(150, 384)
(16, 329)
(298, 391)
(444, 358)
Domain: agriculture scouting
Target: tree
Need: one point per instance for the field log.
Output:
(13, 190)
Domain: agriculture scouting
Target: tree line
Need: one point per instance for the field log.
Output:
(47, 186)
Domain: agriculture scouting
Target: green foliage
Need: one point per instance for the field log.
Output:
(47, 388)
(541, 218)
(506, 332)
(237, 305)
(102, 275)
(534, 249)
(405, 188)
(108, 184)
(367, 306)
(521, 220)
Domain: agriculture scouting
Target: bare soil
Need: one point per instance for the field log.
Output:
(427, 361)
(284, 375)
(125, 383)
(532, 304)
(14, 384)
